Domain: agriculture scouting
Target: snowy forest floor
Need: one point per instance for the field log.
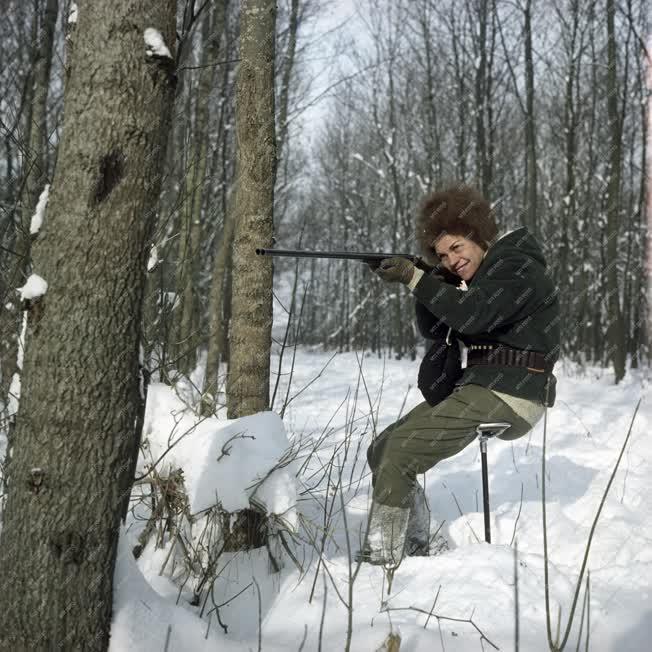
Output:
(460, 600)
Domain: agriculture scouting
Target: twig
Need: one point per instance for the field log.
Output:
(227, 451)
(303, 389)
(584, 608)
(440, 617)
(432, 609)
(323, 614)
(516, 604)
(520, 507)
(591, 533)
(168, 634)
(260, 617)
(303, 640)
(459, 509)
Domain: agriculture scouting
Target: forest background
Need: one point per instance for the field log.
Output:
(542, 106)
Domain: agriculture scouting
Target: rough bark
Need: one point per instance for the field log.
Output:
(76, 441)
(288, 65)
(616, 331)
(530, 127)
(482, 155)
(251, 320)
(35, 178)
(187, 335)
(218, 324)
(648, 192)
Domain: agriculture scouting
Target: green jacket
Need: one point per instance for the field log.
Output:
(510, 300)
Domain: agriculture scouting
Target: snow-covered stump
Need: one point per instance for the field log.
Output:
(245, 529)
(211, 487)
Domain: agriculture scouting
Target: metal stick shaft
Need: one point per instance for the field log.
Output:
(485, 490)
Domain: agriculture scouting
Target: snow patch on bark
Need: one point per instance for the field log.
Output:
(154, 44)
(73, 14)
(37, 218)
(35, 287)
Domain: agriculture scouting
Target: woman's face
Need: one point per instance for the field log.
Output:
(459, 255)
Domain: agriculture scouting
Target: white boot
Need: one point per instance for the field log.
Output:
(385, 541)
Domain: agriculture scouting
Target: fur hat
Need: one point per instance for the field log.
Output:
(457, 210)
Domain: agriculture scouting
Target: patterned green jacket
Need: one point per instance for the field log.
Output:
(510, 300)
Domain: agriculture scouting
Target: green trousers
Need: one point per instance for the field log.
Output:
(426, 435)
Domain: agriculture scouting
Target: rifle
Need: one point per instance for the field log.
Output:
(371, 257)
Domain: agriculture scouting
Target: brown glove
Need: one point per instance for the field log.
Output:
(396, 270)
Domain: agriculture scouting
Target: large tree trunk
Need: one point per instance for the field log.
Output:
(251, 321)
(76, 441)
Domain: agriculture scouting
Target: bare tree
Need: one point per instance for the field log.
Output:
(615, 329)
(648, 185)
(76, 442)
(251, 320)
(34, 173)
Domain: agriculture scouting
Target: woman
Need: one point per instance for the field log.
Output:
(506, 312)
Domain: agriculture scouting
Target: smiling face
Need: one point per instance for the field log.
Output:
(459, 255)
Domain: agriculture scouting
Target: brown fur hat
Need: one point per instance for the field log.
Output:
(457, 210)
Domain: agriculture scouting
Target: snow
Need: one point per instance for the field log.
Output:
(154, 44)
(73, 13)
(153, 259)
(34, 287)
(223, 460)
(13, 397)
(473, 582)
(37, 218)
(143, 620)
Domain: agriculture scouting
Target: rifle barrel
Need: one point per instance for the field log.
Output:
(342, 255)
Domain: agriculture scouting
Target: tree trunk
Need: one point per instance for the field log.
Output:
(616, 331)
(530, 127)
(288, 65)
(76, 442)
(34, 173)
(648, 193)
(187, 336)
(482, 163)
(251, 320)
(218, 325)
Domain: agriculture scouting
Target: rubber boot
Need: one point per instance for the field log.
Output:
(385, 542)
(418, 529)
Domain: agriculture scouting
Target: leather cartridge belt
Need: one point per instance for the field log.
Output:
(505, 356)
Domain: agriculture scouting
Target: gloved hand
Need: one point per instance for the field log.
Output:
(421, 264)
(396, 270)
(444, 275)
(373, 265)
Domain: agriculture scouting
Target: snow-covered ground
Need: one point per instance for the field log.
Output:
(460, 600)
